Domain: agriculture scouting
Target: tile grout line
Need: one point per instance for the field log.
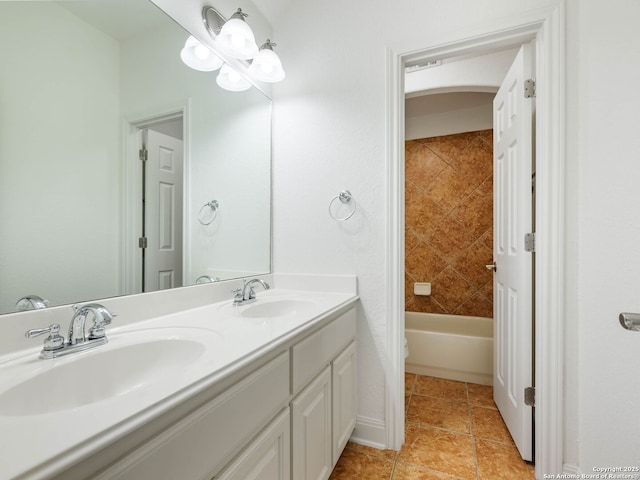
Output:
(473, 437)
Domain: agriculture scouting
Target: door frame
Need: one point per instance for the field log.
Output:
(131, 225)
(546, 28)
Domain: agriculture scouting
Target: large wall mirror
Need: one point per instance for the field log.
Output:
(84, 86)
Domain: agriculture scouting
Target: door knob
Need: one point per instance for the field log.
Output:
(491, 267)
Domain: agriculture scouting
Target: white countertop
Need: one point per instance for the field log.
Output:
(45, 444)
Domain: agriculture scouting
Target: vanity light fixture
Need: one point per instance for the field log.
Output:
(266, 66)
(236, 37)
(199, 57)
(231, 80)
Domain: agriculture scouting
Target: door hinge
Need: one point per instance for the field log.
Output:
(529, 88)
(530, 396)
(530, 242)
(143, 154)
(142, 242)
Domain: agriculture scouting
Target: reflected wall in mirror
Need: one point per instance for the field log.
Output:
(84, 86)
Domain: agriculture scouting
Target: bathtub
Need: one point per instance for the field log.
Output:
(450, 346)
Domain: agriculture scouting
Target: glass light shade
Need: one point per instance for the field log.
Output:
(231, 80)
(237, 40)
(199, 57)
(266, 66)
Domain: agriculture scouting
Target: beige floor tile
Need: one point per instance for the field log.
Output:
(497, 461)
(488, 424)
(481, 395)
(441, 388)
(374, 452)
(440, 413)
(409, 382)
(411, 472)
(440, 438)
(440, 450)
(356, 465)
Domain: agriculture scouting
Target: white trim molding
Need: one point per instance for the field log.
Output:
(370, 432)
(545, 28)
(131, 225)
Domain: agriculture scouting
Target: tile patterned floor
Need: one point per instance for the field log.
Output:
(453, 432)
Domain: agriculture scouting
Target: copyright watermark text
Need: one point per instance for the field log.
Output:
(600, 473)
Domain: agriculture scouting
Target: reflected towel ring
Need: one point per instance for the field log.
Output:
(213, 205)
(344, 197)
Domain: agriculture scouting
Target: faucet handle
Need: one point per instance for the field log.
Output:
(53, 342)
(237, 298)
(101, 318)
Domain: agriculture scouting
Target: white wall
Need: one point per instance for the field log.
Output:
(447, 113)
(329, 134)
(59, 138)
(604, 119)
(481, 73)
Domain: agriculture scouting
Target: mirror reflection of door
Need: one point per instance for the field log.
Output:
(162, 206)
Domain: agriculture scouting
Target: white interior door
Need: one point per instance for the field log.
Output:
(513, 282)
(163, 212)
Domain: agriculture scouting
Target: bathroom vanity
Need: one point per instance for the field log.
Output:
(265, 390)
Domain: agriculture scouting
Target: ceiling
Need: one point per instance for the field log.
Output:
(120, 19)
(273, 9)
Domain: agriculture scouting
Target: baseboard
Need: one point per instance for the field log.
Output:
(370, 432)
(572, 470)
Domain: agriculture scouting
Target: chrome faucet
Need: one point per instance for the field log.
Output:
(247, 294)
(55, 345)
(31, 302)
(101, 318)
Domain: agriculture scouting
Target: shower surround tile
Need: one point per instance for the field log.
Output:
(449, 223)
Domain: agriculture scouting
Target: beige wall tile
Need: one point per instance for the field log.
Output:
(449, 217)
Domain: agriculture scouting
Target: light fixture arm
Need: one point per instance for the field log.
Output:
(239, 15)
(268, 44)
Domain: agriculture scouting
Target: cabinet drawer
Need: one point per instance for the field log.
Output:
(198, 446)
(314, 353)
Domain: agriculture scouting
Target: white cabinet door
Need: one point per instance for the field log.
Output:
(267, 457)
(344, 398)
(311, 427)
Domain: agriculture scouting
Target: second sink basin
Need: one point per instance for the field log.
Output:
(267, 307)
(129, 362)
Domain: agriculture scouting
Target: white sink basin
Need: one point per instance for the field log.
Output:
(129, 362)
(264, 308)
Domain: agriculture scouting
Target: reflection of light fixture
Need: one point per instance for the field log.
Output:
(266, 66)
(199, 57)
(236, 38)
(231, 80)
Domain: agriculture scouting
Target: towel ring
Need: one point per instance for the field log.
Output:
(213, 205)
(344, 197)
